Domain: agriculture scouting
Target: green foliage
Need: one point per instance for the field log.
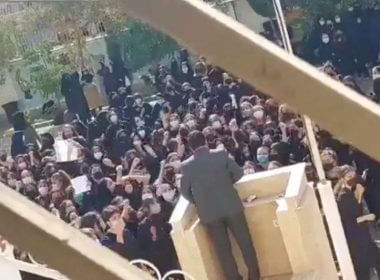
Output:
(140, 44)
(8, 49)
(262, 7)
(46, 69)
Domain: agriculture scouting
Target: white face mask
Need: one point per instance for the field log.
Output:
(216, 124)
(128, 189)
(258, 114)
(155, 208)
(140, 123)
(337, 19)
(142, 133)
(322, 22)
(98, 155)
(43, 191)
(147, 196)
(22, 165)
(113, 119)
(168, 195)
(185, 69)
(27, 180)
(325, 39)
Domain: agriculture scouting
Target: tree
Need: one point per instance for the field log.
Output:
(46, 69)
(139, 44)
(8, 47)
(71, 20)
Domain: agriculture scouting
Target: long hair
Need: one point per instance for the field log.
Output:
(63, 178)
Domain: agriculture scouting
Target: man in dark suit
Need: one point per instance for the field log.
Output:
(208, 182)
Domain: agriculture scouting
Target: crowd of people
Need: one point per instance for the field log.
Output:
(349, 39)
(131, 153)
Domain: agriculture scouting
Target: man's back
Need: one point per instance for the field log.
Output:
(207, 181)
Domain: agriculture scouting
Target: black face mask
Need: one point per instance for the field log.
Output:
(98, 175)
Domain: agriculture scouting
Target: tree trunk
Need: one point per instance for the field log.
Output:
(80, 46)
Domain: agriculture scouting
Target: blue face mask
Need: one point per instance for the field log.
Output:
(263, 159)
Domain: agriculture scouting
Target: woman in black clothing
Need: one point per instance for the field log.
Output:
(118, 238)
(121, 144)
(364, 252)
(97, 128)
(47, 142)
(168, 197)
(101, 193)
(133, 191)
(154, 238)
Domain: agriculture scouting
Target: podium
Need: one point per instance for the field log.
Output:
(285, 223)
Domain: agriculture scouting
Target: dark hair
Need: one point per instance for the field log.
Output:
(89, 220)
(172, 145)
(75, 133)
(48, 153)
(108, 211)
(49, 139)
(63, 178)
(196, 140)
(31, 191)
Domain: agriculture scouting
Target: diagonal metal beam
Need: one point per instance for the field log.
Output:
(246, 54)
(56, 243)
(313, 144)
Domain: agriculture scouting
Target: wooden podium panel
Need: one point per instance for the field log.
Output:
(285, 223)
(197, 253)
(267, 239)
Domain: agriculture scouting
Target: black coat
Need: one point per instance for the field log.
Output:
(358, 237)
(18, 146)
(159, 251)
(97, 198)
(207, 181)
(72, 90)
(128, 250)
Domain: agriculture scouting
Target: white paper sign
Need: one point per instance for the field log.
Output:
(81, 184)
(66, 151)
